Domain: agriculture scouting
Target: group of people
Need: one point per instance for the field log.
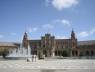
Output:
(33, 59)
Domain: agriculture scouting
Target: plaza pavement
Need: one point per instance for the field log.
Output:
(55, 65)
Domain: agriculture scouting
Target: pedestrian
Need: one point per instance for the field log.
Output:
(32, 58)
(35, 57)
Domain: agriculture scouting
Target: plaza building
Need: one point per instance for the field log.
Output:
(49, 46)
(6, 47)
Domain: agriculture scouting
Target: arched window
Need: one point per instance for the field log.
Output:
(87, 53)
(92, 52)
(73, 53)
(76, 53)
(81, 54)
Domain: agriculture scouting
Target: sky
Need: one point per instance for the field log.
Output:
(37, 17)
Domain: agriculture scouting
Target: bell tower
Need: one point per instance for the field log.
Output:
(74, 49)
(25, 40)
(73, 39)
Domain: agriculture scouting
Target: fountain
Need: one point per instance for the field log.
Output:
(20, 53)
(23, 52)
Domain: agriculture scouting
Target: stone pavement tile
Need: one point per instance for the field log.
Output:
(47, 70)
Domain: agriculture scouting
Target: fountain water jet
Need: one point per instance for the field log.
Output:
(20, 53)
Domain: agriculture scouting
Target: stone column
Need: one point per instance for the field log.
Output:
(78, 53)
(53, 51)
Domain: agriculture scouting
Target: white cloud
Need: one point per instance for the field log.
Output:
(64, 22)
(32, 29)
(47, 26)
(1, 36)
(60, 4)
(47, 2)
(83, 34)
(92, 31)
(86, 33)
(61, 37)
(13, 33)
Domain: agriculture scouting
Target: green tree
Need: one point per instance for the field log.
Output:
(66, 52)
(4, 52)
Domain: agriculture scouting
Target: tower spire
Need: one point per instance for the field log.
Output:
(25, 40)
(73, 39)
(73, 34)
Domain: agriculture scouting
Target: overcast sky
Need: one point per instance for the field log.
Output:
(38, 17)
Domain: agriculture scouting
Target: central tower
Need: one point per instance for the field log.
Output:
(25, 40)
(47, 45)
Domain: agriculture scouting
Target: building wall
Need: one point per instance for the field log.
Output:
(6, 49)
(49, 46)
(87, 50)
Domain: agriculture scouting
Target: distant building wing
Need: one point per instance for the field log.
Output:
(11, 44)
(90, 42)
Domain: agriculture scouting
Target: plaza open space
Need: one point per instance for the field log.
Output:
(48, 65)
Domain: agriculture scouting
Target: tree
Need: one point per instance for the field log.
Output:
(66, 52)
(4, 52)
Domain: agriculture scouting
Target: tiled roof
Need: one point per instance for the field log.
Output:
(9, 44)
(89, 42)
(62, 39)
(34, 40)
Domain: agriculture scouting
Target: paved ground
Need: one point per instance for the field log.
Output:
(44, 70)
(56, 65)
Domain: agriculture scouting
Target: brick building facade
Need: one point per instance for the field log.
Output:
(49, 46)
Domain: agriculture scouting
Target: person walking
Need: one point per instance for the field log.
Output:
(32, 58)
(35, 58)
